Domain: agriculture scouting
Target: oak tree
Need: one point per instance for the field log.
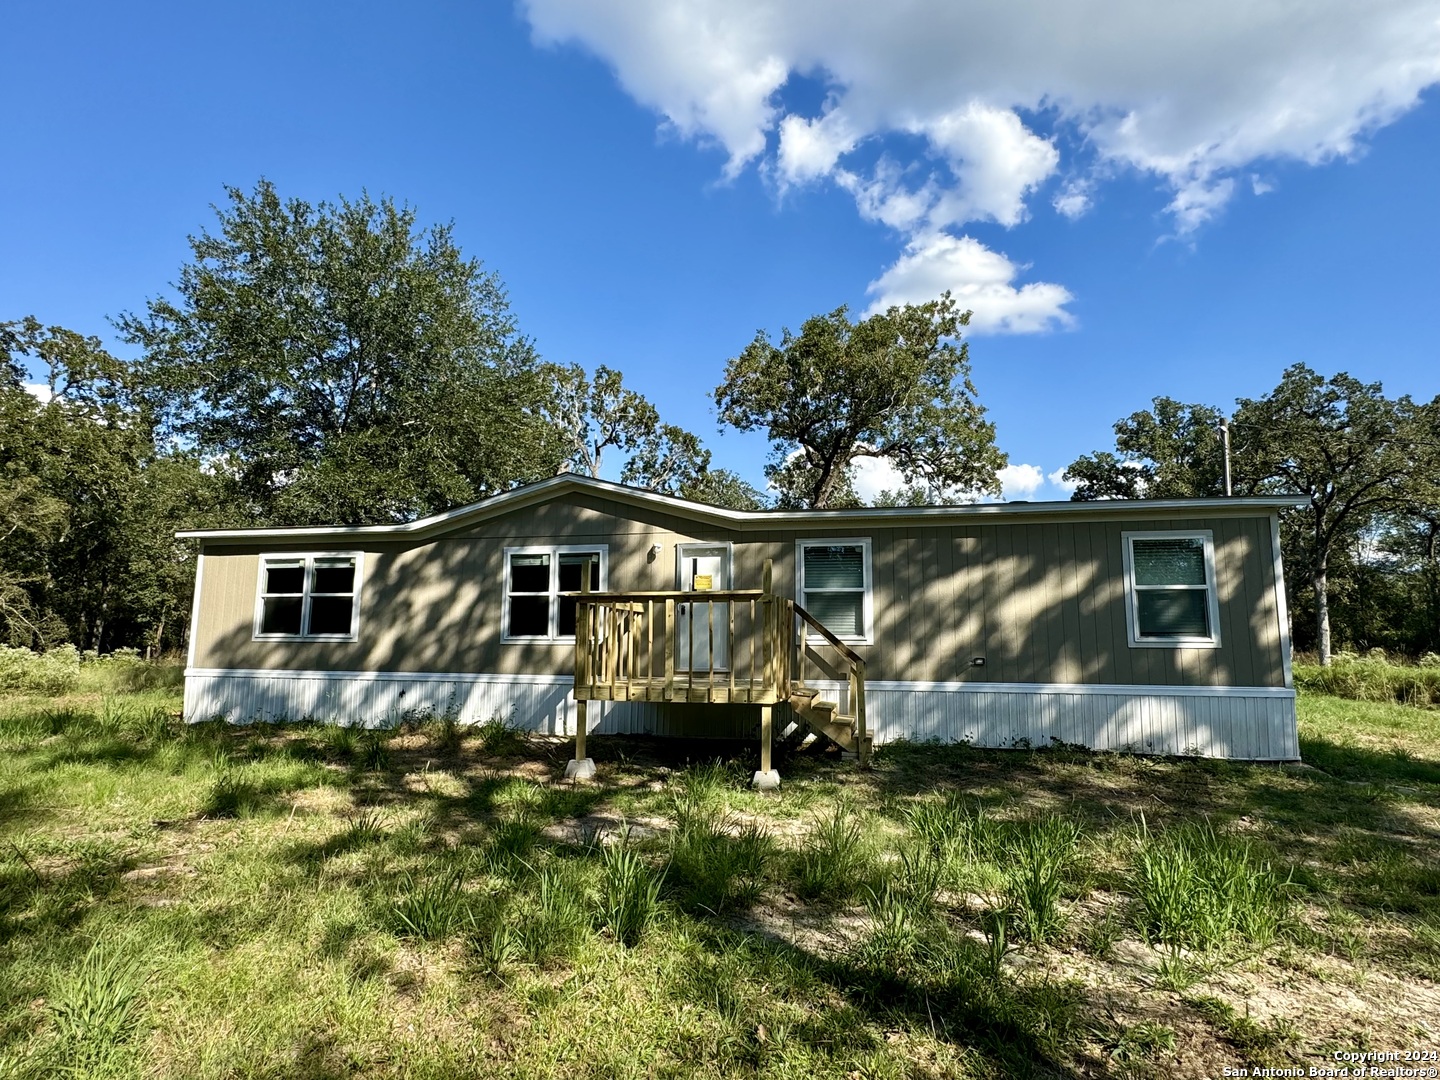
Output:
(894, 385)
(340, 364)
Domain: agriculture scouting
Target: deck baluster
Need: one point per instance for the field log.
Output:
(751, 672)
(671, 626)
(730, 645)
(710, 642)
(690, 649)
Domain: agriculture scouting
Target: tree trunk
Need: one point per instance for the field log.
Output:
(1322, 611)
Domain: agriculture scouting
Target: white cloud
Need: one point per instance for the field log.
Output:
(1073, 200)
(1057, 479)
(1259, 185)
(872, 475)
(1198, 201)
(885, 198)
(996, 160)
(810, 149)
(39, 391)
(1020, 481)
(1193, 95)
(710, 76)
(982, 280)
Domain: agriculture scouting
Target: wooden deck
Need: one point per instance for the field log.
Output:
(718, 689)
(713, 647)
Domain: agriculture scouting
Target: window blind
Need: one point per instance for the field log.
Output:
(838, 567)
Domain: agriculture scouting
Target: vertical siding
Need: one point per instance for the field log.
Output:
(1041, 599)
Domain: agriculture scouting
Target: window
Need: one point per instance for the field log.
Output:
(309, 596)
(834, 586)
(535, 578)
(1170, 589)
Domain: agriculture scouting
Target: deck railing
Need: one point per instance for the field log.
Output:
(731, 646)
(719, 646)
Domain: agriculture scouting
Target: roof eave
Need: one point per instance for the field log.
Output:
(518, 498)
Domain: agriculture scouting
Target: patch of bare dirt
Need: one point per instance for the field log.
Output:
(601, 828)
(787, 919)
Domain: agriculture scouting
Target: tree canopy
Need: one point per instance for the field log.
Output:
(1170, 451)
(597, 413)
(895, 385)
(339, 364)
(1343, 443)
(88, 506)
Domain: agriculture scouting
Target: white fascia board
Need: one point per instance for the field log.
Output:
(543, 490)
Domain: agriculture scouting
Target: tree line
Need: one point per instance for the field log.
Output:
(338, 363)
(1363, 558)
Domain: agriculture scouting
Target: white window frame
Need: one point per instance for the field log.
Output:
(308, 560)
(868, 589)
(554, 551)
(1132, 591)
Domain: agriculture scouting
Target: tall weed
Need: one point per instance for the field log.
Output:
(629, 892)
(232, 796)
(558, 918)
(1039, 856)
(499, 737)
(1200, 889)
(96, 1010)
(372, 750)
(716, 864)
(56, 671)
(895, 929)
(1373, 677)
(430, 907)
(835, 861)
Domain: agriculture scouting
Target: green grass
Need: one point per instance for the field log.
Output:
(630, 892)
(313, 901)
(1201, 889)
(1374, 677)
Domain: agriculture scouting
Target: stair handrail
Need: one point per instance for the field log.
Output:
(829, 635)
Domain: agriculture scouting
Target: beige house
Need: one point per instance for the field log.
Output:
(1156, 626)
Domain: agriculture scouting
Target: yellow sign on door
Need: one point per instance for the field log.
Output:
(704, 582)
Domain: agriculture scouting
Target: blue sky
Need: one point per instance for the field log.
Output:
(1194, 208)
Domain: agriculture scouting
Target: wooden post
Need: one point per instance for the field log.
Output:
(730, 646)
(767, 779)
(710, 639)
(862, 732)
(753, 673)
(581, 767)
(649, 644)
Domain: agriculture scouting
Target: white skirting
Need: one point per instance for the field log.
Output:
(1251, 723)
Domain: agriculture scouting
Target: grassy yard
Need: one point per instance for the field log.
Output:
(198, 902)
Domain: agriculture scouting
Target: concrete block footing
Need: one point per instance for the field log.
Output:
(766, 781)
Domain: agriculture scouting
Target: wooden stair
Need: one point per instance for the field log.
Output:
(824, 718)
(628, 647)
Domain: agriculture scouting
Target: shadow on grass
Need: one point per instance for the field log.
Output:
(1348, 761)
(1032, 1029)
(44, 894)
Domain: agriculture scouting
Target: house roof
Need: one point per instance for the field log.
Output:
(565, 483)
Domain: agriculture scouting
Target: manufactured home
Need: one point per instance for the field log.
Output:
(576, 605)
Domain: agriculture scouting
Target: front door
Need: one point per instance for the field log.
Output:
(706, 627)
